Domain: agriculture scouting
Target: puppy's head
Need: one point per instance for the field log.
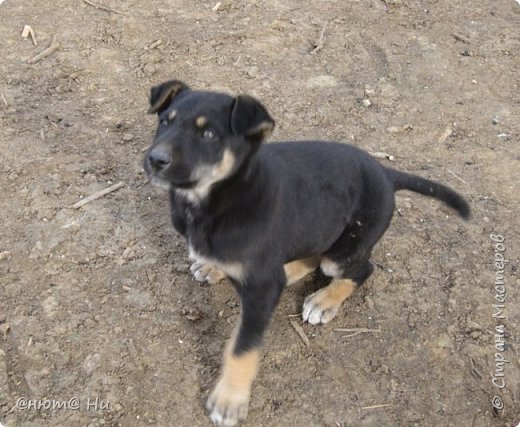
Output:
(202, 137)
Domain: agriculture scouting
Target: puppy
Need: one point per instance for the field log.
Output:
(267, 215)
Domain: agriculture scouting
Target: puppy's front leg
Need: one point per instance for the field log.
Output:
(229, 401)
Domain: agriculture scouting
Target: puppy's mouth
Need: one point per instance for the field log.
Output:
(184, 185)
(165, 184)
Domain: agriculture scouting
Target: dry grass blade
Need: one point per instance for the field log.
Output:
(458, 177)
(356, 331)
(383, 405)
(105, 8)
(319, 45)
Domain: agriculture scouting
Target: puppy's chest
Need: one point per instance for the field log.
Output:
(199, 241)
(202, 249)
(233, 269)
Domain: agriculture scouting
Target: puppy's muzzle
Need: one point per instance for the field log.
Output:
(160, 158)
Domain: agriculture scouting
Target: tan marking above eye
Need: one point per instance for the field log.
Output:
(171, 115)
(201, 121)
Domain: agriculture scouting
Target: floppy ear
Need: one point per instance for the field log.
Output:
(161, 95)
(250, 119)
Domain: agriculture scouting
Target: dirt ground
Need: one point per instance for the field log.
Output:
(96, 303)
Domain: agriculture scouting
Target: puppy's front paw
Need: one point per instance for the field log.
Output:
(206, 273)
(323, 305)
(227, 405)
(318, 308)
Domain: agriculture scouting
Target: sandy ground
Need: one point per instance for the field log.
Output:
(96, 304)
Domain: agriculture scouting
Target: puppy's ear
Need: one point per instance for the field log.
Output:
(161, 95)
(250, 119)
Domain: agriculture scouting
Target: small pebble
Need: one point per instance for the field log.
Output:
(473, 326)
(369, 302)
(366, 102)
(393, 129)
(5, 255)
(127, 137)
(181, 267)
(4, 330)
(322, 81)
(192, 313)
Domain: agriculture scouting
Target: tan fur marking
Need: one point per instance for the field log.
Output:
(240, 371)
(207, 175)
(226, 164)
(337, 292)
(201, 121)
(229, 401)
(172, 115)
(297, 270)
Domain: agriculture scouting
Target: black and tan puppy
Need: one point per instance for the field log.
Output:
(268, 215)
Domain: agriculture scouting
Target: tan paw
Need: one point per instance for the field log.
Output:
(323, 305)
(206, 273)
(227, 405)
(316, 309)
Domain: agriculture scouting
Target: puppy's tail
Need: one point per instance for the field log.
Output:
(405, 181)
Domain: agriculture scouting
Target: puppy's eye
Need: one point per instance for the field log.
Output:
(209, 134)
(167, 120)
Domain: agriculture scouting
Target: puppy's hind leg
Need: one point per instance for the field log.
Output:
(323, 305)
(347, 262)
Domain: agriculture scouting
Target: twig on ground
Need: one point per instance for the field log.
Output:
(52, 48)
(105, 8)
(154, 44)
(28, 31)
(5, 102)
(300, 332)
(460, 38)
(97, 195)
(356, 331)
(383, 405)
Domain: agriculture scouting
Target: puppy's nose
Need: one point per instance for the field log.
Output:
(160, 157)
